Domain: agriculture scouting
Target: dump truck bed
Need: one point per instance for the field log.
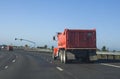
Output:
(77, 39)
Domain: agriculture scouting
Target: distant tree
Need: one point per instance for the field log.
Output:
(104, 48)
(38, 47)
(52, 47)
(114, 50)
(26, 45)
(45, 46)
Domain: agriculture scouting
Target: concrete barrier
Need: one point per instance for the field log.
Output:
(39, 50)
(100, 55)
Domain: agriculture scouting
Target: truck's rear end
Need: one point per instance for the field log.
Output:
(81, 39)
(80, 43)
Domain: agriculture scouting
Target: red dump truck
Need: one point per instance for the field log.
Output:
(76, 44)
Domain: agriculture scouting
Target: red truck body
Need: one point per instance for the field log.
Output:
(77, 39)
(10, 48)
(81, 43)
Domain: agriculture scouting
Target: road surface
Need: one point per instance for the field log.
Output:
(20, 64)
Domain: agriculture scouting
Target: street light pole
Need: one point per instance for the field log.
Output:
(26, 40)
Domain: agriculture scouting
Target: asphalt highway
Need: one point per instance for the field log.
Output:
(20, 64)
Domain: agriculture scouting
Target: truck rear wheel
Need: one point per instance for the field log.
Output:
(64, 57)
(93, 56)
(61, 56)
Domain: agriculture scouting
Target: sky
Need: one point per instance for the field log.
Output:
(39, 20)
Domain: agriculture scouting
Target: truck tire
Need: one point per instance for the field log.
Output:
(61, 56)
(64, 57)
(92, 57)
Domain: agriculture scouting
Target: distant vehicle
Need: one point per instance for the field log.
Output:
(80, 44)
(10, 48)
(3, 47)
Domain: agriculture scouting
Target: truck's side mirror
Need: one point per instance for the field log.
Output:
(54, 38)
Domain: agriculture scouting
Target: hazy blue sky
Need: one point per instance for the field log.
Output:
(39, 20)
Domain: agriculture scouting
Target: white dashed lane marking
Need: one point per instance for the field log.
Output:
(13, 61)
(6, 67)
(110, 65)
(60, 69)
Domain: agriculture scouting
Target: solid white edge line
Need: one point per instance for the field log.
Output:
(110, 65)
(60, 69)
